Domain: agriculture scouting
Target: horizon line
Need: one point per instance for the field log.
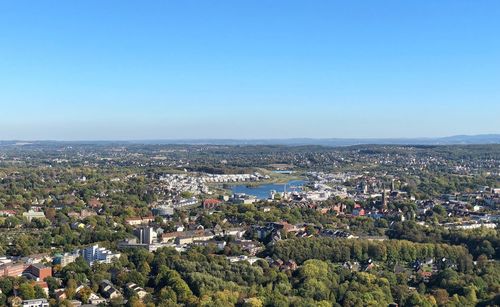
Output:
(254, 139)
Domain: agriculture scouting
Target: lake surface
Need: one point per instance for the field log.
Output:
(263, 191)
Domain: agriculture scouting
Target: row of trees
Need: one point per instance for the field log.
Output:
(341, 250)
(481, 241)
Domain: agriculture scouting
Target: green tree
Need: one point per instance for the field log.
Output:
(27, 291)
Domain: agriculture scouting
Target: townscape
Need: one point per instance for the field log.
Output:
(249, 153)
(123, 224)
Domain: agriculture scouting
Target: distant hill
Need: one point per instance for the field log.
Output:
(332, 142)
(335, 142)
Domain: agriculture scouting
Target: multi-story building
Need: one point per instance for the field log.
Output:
(95, 253)
(38, 271)
(13, 269)
(164, 210)
(145, 235)
(136, 221)
(65, 259)
(41, 302)
(30, 215)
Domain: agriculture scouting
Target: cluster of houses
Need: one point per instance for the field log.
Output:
(33, 268)
(38, 267)
(249, 239)
(228, 178)
(151, 239)
(171, 185)
(107, 291)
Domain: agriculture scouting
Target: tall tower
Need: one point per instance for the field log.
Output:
(145, 235)
(384, 198)
(364, 187)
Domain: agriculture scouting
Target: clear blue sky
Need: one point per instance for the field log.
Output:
(248, 69)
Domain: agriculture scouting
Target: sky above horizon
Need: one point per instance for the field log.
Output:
(124, 70)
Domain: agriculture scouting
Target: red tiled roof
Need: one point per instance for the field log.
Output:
(211, 201)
